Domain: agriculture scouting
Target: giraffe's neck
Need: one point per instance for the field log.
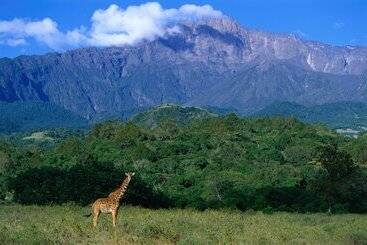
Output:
(123, 187)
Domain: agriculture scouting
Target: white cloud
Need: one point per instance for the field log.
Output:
(116, 26)
(338, 25)
(15, 42)
(113, 26)
(44, 31)
(194, 11)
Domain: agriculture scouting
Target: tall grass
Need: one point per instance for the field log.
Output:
(67, 225)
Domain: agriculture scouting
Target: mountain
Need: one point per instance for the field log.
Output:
(210, 63)
(346, 117)
(181, 115)
(24, 116)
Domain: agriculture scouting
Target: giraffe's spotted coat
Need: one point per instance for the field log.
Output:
(111, 203)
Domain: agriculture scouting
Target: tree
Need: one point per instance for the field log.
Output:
(338, 164)
(336, 167)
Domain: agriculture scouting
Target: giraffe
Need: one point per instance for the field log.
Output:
(111, 203)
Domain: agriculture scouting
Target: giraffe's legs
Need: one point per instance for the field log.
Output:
(114, 214)
(95, 217)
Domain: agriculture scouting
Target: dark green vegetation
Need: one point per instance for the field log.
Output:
(351, 115)
(24, 116)
(66, 225)
(274, 164)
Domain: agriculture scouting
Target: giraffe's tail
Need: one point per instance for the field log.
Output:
(87, 215)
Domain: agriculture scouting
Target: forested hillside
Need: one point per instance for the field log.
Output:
(163, 114)
(25, 116)
(341, 115)
(262, 164)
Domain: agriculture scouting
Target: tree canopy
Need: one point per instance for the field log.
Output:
(221, 162)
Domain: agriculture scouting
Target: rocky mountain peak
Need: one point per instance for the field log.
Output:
(222, 24)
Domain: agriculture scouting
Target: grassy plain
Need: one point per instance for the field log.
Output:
(67, 225)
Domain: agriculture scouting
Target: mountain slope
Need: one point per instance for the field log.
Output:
(211, 63)
(23, 116)
(341, 115)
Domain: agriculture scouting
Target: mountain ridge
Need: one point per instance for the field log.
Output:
(209, 63)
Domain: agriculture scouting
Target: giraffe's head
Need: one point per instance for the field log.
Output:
(130, 174)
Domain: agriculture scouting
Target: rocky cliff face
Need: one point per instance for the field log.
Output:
(212, 62)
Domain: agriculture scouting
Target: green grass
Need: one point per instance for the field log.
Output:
(66, 225)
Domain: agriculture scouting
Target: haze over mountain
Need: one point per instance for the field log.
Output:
(212, 62)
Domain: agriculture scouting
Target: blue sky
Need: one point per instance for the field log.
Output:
(337, 22)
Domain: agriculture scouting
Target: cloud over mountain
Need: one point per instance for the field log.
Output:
(113, 26)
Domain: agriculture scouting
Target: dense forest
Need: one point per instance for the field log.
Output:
(267, 164)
